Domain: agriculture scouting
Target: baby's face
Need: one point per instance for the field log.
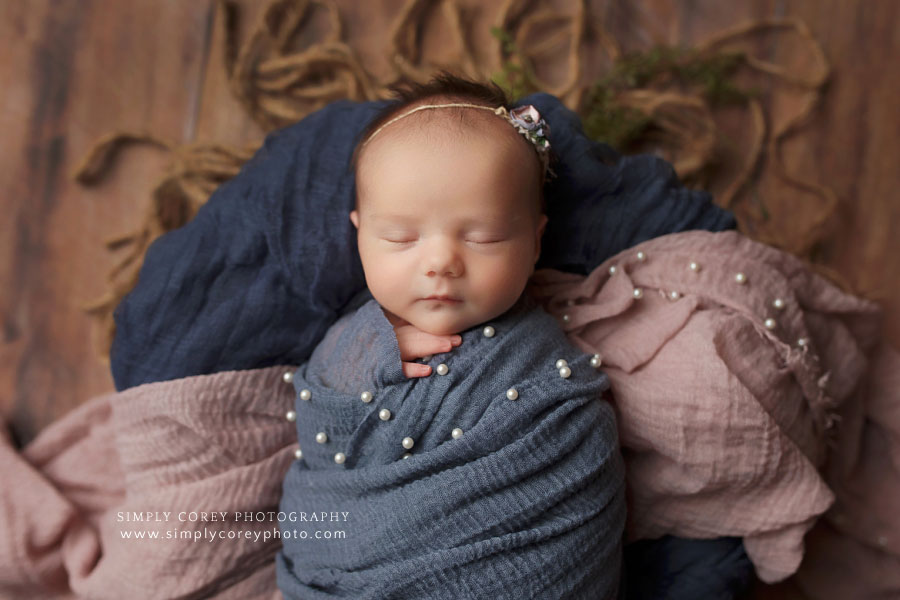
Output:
(443, 215)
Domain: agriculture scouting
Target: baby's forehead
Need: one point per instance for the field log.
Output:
(461, 129)
(418, 137)
(475, 147)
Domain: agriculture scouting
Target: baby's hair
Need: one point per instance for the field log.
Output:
(445, 86)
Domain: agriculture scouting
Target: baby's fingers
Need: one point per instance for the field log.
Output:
(416, 344)
(411, 370)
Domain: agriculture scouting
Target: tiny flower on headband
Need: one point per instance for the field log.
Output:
(528, 118)
(529, 122)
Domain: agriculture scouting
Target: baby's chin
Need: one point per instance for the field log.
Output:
(438, 326)
(445, 324)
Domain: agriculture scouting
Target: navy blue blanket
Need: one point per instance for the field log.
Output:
(268, 263)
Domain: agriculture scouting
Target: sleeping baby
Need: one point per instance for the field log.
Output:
(452, 442)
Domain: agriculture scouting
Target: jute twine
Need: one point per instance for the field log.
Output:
(279, 86)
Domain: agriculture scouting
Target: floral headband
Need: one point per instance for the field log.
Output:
(526, 119)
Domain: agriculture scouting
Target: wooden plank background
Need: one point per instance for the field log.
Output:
(74, 70)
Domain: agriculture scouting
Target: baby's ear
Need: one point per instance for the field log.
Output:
(354, 218)
(542, 224)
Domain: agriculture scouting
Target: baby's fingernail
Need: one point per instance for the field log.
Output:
(457, 339)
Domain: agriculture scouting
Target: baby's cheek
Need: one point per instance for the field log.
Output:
(498, 284)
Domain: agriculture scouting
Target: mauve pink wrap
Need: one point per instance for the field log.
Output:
(723, 421)
(209, 443)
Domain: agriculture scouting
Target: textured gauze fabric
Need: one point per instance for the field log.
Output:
(531, 477)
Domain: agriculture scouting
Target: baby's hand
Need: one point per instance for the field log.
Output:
(415, 343)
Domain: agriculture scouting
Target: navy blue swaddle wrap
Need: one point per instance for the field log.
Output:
(496, 512)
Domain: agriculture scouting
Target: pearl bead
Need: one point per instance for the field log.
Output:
(288, 377)
(673, 295)
(778, 303)
(612, 270)
(384, 414)
(740, 278)
(596, 361)
(802, 342)
(291, 416)
(565, 372)
(321, 437)
(298, 454)
(407, 442)
(305, 395)
(366, 397)
(488, 331)
(638, 293)
(641, 256)
(442, 369)
(566, 318)
(340, 457)
(456, 433)
(695, 267)
(769, 323)
(406, 455)
(512, 394)
(561, 363)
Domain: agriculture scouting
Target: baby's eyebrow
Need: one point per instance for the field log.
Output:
(484, 220)
(388, 217)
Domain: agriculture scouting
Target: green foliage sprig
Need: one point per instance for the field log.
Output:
(605, 117)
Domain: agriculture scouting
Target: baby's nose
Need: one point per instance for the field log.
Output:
(443, 256)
